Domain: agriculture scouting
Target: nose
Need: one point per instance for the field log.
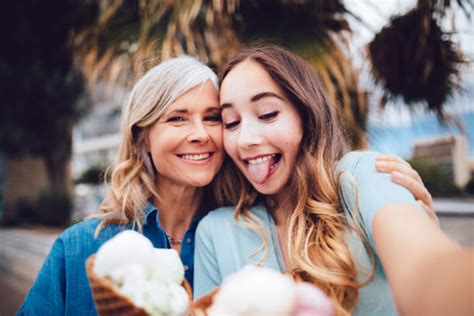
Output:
(198, 133)
(249, 135)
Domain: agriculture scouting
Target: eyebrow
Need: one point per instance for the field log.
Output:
(184, 111)
(262, 95)
(255, 98)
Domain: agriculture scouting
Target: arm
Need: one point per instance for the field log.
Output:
(46, 297)
(206, 269)
(428, 272)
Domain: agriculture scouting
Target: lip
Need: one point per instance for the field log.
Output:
(196, 162)
(246, 159)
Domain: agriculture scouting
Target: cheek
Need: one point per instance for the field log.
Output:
(215, 133)
(230, 144)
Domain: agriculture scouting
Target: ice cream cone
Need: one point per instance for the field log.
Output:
(201, 306)
(109, 301)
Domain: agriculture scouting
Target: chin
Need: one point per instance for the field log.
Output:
(267, 189)
(202, 182)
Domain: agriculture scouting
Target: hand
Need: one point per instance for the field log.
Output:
(403, 174)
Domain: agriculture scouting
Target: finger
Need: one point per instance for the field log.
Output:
(392, 158)
(391, 166)
(416, 188)
(425, 207)
(430, 211)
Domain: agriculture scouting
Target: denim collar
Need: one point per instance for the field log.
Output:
(152, 214)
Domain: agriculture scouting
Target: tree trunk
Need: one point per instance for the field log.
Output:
(58, 164)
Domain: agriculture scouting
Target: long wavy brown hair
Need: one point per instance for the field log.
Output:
(317, 247)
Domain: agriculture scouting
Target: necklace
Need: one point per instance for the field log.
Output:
(171, 240)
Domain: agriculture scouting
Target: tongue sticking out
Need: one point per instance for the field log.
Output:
(259, 172)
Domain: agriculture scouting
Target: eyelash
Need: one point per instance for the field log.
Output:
(268, 116)
(175, 119)
(213, 118)
(265, 117)
(179, 119)
(231, 124)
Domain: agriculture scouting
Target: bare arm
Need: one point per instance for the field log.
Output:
(428, 272)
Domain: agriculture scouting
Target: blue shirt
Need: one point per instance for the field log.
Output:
(224, 247)
(62, 287)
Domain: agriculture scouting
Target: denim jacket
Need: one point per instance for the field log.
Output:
(62, 287)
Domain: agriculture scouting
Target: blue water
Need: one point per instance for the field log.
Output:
(399, 140)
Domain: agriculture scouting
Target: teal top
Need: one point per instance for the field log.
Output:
(224, 247)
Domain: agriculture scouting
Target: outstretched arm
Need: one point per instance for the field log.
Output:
(429, 273)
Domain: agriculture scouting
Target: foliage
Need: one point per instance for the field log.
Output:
(41, 87)
(318, 31)
(438, 179)
(129, 35)
(414, 59)
(53, 208)
(92, 175)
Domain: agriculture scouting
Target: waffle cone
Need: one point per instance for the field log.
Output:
(109, 301)
(201, 306)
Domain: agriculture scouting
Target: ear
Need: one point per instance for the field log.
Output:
(146, 141)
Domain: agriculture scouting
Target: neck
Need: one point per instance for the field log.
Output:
(282, 213)
(178, 204)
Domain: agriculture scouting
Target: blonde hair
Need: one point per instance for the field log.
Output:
(133, 178)
(317, 247)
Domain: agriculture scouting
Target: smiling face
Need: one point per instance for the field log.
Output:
(262, 129)
(186, 142)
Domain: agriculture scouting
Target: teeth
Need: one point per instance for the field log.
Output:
(196, 157)
(260, 159)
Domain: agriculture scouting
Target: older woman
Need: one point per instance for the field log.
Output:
(170, 152)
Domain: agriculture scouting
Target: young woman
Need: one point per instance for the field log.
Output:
(170, 152)
(309, 208)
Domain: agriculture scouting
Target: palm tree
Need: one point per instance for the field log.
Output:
(414, 59)
(129, 35)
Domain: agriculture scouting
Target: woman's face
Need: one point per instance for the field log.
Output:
(262, 129)
(186, 142)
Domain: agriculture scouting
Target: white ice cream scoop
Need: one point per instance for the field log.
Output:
(126, 248)
(166, 266)
(151, 278)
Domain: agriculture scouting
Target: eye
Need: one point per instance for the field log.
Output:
(213, 118)
(175, 119)
(231, 124)
(268, 116)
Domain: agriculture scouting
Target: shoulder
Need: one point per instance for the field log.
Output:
(226, 214)
(80, 237)
(216, 218)
(356, 162)
(220, 213)
(222, 220)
